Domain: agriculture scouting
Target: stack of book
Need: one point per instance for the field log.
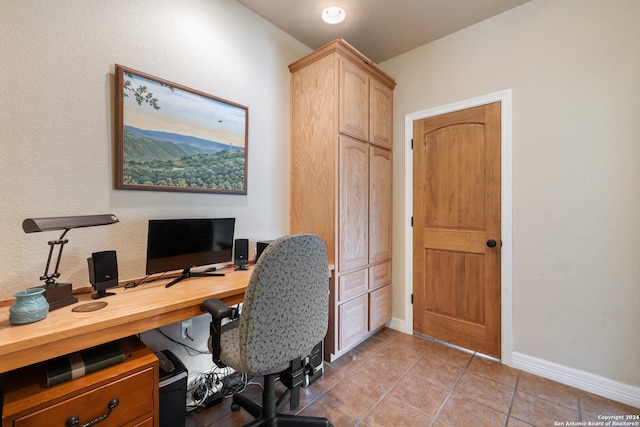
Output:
(75, 365)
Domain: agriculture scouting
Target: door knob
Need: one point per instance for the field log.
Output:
(491, 243)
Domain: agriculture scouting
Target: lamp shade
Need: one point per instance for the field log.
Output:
(35, 225)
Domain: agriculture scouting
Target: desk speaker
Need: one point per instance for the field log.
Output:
(260, 247)
(103, 272)
(241, 253)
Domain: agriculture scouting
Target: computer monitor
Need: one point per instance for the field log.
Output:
(174, 244)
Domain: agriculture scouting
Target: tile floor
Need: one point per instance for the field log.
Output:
(395, 379)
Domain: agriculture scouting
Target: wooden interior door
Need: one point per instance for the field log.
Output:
(456, 228)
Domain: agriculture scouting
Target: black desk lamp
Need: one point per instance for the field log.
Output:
(60, 294)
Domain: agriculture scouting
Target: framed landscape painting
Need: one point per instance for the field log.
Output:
(173, 138)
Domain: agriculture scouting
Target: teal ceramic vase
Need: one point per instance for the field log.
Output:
(30, 306)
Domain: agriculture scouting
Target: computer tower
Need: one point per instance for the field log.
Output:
(173, 389)
(314, 365)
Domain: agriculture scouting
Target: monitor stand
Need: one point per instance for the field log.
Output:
(186, 273)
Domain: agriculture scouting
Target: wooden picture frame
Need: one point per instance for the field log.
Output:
(173, 138)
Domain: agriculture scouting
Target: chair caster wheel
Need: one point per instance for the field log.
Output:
(235, 407)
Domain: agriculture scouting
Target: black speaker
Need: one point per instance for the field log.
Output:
(241, 253)
(103, 272)
(260, 247)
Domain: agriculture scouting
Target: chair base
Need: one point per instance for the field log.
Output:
(267, 414)
(283, 420)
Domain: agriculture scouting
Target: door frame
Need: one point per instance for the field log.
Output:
(506, 267)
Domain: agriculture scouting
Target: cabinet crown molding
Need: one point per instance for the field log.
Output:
(342, 47)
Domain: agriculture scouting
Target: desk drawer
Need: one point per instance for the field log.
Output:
(146, 423)
(135, 396)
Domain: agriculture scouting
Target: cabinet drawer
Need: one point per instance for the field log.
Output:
(134, 392)
(353, 320)
(146, 423)
(379, 307)
(352, 284)
(379, 275)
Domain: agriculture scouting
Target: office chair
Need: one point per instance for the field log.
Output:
(284, 315)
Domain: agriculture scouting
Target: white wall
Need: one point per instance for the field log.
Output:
(57, 127)
(574, 68)
(57, 121)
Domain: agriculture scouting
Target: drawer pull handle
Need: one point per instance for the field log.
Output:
(74, 419)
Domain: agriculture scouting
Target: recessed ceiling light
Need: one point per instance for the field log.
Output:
(333, 15)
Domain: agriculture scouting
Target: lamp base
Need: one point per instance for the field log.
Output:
(59, 295)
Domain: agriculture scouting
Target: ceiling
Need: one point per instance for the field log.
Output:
(380, 29)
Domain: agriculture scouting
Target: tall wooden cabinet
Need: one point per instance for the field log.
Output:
(341, 188)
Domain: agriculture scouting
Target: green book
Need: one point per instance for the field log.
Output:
(76, 365)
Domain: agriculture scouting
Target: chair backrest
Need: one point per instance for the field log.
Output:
(286, 306)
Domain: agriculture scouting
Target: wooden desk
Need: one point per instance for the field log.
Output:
(129, 312)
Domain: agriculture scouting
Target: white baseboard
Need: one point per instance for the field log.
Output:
(582, 380)
(398, 325)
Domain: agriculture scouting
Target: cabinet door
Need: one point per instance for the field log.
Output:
(379, 275)
(381, 115)
(379, 307)
(354, 100)
(380, 196)
(353, 211)
(353, 320)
